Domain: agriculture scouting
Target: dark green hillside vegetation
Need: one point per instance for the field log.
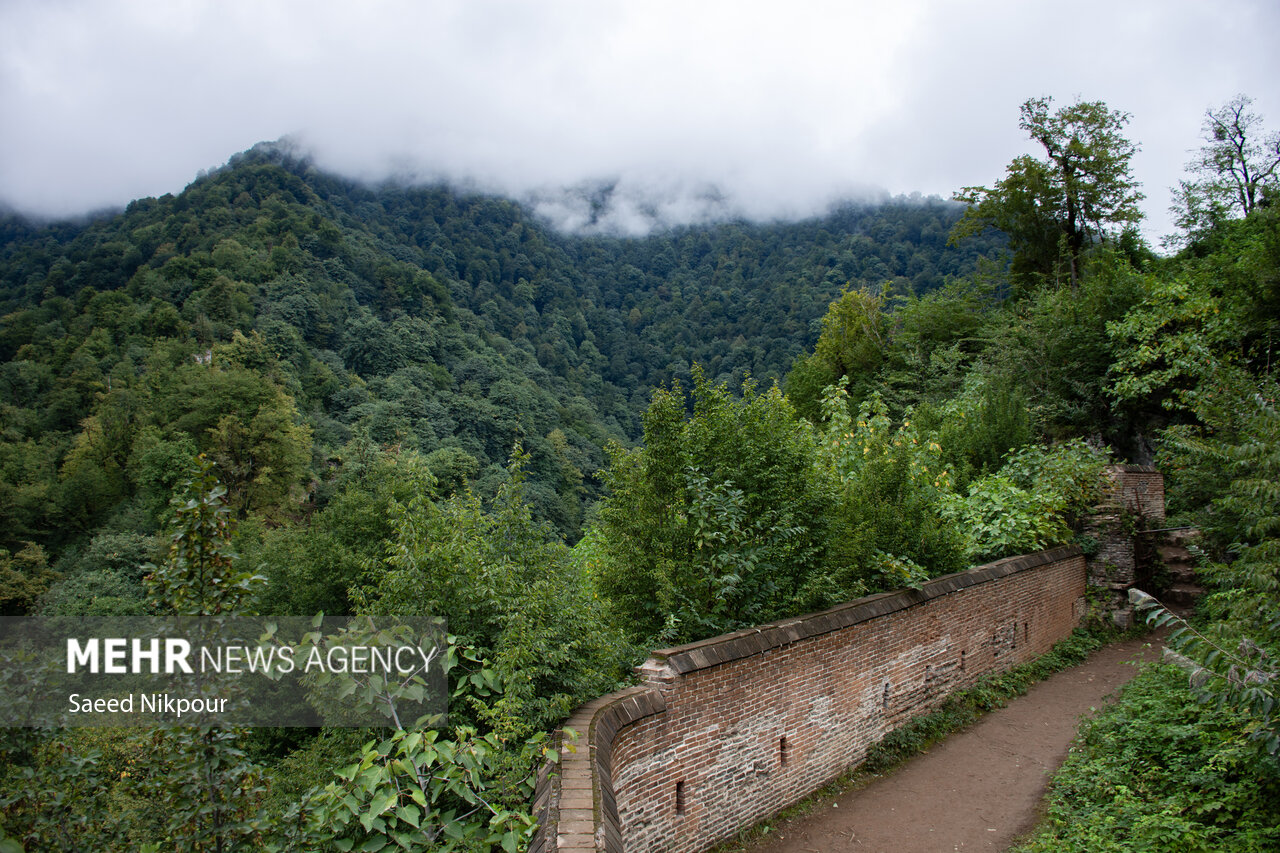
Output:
(415, 401)
(270, 315)
(248, 319)
(1190, 760)
(402, 398)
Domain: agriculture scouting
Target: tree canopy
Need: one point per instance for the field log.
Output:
(1054, 208)
(413, 400)
(1232, 173)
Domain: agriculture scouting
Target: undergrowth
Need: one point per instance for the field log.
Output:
(1159, 771)
(958, 711)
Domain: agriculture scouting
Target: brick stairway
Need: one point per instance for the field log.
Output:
(1179, 562)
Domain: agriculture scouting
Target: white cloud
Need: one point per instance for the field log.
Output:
(780, 106)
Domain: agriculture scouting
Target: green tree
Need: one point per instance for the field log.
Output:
(262, 458)
(518, 663)
(717, 520)
(851, 348)
(209, 790)
(1236, 448)
(1054, 209)
(1036, 500)
(99, 580)
(886, 528)
(500, 579)
(24, 577)
(245, 423)
(1232, 172)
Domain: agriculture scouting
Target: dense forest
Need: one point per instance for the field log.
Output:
(417, 318)
(398, 400)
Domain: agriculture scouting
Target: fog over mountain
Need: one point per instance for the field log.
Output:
(687, 111)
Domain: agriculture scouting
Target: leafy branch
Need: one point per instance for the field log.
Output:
(1245, 677)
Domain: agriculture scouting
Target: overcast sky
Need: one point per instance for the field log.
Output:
(781, 106)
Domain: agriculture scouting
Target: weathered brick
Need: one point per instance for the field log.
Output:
(710, 718)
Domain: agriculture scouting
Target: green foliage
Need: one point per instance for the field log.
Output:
(409, 789)
(357, 364)
(1033, 502)
(717, 520)
(102, 579)
(1233, 173)
(886, 530)
(851, 348)
(209, 790)
(24, 577)
(200, 577)
(1000, 518)
(935, 339)
(270, 312)
(1053, 209)
(465, 789)
(1242, 678)
(976, 428)
(311, 568)
(1159, 771)
(1055, 348)
(1207, 316)
(1187, 760)
(506, 587)
(52, 800)
(194, 788)
(1069, 475)
(1238, 451)
(1172, 342)
(456, 791)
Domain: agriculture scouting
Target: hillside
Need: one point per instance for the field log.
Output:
(283, 392)
(411, 317)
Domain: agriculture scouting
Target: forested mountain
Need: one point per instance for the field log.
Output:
(398, 401)
(271, 314)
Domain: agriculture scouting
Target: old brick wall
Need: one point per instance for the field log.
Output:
(727, 731)
(1134, 501)
(1140, 490)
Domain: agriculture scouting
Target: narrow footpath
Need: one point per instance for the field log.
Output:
(980, 788)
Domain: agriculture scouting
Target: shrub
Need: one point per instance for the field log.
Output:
(1031, 503)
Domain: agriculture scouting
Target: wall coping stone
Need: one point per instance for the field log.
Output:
(748, 642)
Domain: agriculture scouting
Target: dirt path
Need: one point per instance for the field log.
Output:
(977, 790)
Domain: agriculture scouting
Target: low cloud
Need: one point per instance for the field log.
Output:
(682, 111)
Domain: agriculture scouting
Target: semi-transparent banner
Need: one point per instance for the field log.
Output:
(278, 671)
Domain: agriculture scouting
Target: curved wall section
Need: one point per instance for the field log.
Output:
(725, 732)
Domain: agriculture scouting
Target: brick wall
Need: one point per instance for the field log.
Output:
(727, 731)
(1139, 489)
(1134, 500)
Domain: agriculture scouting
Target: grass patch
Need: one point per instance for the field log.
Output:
(959, 710)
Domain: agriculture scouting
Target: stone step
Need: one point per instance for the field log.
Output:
(1174, 554)
(1183, 594)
